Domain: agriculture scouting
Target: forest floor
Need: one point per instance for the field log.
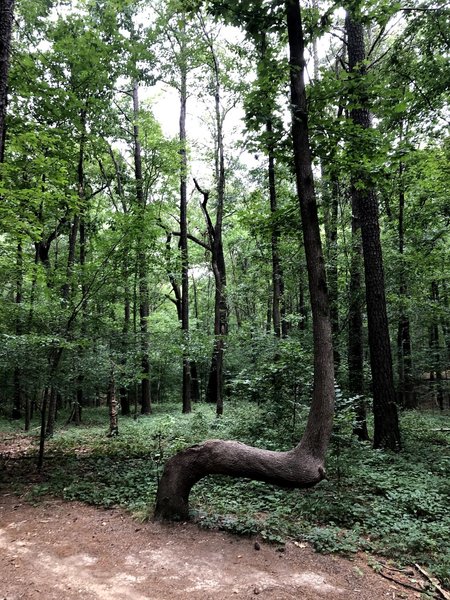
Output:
(68, 550)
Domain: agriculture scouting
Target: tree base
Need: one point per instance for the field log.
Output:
(297, 468)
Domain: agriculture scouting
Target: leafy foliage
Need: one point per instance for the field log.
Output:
(393, 505)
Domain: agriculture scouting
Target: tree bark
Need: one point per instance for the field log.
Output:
(302, 466)
(17, 407)
(436, 363)
(293, 469)
(406, 396)
(331, 231)
(6, 24)
(144, 307)
(355, 325)
(186, 393)
(386, 427)
(214, 390)
(113, 415)
(278, 309)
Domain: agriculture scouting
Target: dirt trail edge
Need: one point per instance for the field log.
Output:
(63, 551)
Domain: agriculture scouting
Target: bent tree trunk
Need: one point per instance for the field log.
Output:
(303, 466)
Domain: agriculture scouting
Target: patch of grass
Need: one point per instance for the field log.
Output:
(395, 505)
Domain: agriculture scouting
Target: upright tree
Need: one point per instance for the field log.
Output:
(6, 24)
(144, 307)
(386, 427)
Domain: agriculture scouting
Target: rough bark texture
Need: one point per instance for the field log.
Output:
(293, 469)
(386, 428)
(214, 390)
(304, 465)
(355, 324)
(319, 425)
(6, 23)
(331, 198)
(435, 353)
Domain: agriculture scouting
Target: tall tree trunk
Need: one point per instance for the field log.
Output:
(183, 237)
(79, 395)
(67, 288)
(321, 415)
(17, 408)
(355, 325)
(303, 466)
(214, 391)
(436, 364)
(386, 427)
(6, 23)
(278, 309)
(406, 396)
(75, 227)
(144, 306)
(125, 396)
(331, 198)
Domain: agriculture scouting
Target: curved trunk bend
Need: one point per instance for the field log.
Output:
(293, 469)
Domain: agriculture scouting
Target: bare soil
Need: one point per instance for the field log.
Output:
(65, 550)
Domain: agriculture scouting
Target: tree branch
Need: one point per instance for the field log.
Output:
(195, 240)
(209, 224)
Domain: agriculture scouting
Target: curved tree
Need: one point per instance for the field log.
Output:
(303, 466)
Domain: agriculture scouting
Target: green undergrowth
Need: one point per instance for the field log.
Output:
(394, 505)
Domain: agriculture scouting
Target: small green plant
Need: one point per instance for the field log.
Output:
(392, 504)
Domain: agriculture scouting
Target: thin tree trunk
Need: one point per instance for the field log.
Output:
(436, 365)
(17, 408)
(386, 427)
(144, 307)
(406, 396)
(6, 24)
(113, 415)
(74, 230)
(214, 391)
(125, 405)
(355, 326)
(67, 288)
(79, 396)
(52, 410)
(40, 460)
(186, 394)
(331, 231)
(278, 309)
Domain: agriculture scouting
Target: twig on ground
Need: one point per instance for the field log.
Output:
(434, 581)
(403, 583)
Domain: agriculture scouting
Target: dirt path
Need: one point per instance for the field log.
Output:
(63, 551)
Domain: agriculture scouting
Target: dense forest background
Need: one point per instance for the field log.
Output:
(92, 266)
(151, 246)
